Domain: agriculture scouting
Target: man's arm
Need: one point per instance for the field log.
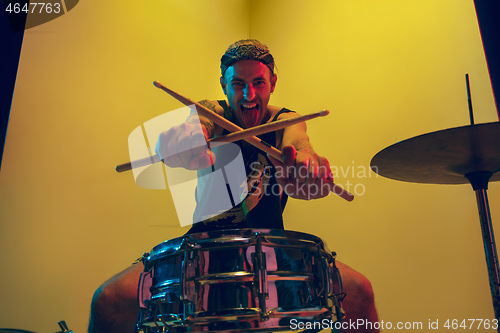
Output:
(208, 124)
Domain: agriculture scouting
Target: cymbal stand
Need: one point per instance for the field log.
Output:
(479, 181)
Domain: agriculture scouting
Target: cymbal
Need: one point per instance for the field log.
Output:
(12, 330)
(442, 157)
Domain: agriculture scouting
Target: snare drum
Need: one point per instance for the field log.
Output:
(240, 280)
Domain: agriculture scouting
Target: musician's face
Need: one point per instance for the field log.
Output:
(248, 85)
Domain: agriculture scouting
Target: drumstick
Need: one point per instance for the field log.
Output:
(226, 124)
(137, 163)
(265, 128)
(231, 137)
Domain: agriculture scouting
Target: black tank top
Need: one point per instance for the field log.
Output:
(264, 202)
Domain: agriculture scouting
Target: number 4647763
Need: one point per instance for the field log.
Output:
(39, 6)
(486, 323)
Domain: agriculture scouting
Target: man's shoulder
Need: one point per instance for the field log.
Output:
(212, 105)
(283, 112)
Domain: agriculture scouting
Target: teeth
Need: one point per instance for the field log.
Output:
(249, 105)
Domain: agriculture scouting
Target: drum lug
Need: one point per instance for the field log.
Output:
(260, 271)
(335, 309)
(143, 259)
(265, 316)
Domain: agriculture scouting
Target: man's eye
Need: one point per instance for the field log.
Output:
(259, 83)
(236, 84)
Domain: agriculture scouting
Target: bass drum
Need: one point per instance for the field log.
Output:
(240, 280)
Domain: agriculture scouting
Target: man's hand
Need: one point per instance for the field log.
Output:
(303, 175)
(185, 146)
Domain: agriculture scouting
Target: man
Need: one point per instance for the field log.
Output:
(248, 80)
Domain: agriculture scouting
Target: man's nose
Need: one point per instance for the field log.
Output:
(249, 92)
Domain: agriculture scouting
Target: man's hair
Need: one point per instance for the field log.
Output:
(246, 49)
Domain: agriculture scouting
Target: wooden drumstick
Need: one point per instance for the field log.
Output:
(138, 163)
(226, 124)
(265, 128)
(231, 137)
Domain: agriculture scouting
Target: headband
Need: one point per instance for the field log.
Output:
(246, 52)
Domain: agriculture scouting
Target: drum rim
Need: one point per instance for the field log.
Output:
(173, 245)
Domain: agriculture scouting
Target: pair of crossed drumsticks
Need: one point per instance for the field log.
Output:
(237, 133)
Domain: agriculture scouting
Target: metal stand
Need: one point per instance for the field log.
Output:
(453, 156)
(479, 181)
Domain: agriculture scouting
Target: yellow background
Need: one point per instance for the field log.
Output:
(387, 70)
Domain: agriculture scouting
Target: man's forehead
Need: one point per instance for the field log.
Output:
(247, 69)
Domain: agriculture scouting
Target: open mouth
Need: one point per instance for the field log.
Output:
(250, 113)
